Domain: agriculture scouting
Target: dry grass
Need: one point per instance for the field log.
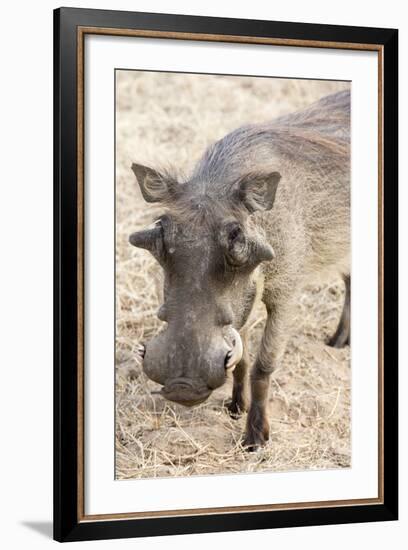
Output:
(170, 118)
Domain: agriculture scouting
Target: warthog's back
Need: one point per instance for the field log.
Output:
(309, 223)
(329, 116)
(322, 131)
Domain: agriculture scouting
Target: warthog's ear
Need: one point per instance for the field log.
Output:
(155, 187)
(257, 191)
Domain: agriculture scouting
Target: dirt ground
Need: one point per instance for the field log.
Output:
(169, 119)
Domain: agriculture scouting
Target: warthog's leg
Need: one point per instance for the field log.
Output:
(342, 335)
(270, 353)
(239, 401)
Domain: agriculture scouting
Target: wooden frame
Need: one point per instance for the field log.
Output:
(70, 27)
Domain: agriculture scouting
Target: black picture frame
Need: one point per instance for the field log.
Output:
(68, 525)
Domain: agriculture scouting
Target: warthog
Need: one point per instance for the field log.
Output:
(265, 210)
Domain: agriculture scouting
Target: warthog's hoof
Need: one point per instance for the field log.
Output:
(339, 340)
(235, 408)
(254, 441)
(257, 432)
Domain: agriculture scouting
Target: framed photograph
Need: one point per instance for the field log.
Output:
(225, 274)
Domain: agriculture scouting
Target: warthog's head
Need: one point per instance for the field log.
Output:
(209, 247)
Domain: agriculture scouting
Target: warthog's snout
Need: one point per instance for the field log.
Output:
(186, 391)
(190, 370)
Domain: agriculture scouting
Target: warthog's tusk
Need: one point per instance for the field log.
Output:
(140, 351)
(234, 356)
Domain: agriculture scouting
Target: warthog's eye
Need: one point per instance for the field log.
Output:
(236, 245)
(234, 234)
(243, 251)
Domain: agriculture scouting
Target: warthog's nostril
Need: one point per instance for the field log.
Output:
(180, 383)
(185, 391)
